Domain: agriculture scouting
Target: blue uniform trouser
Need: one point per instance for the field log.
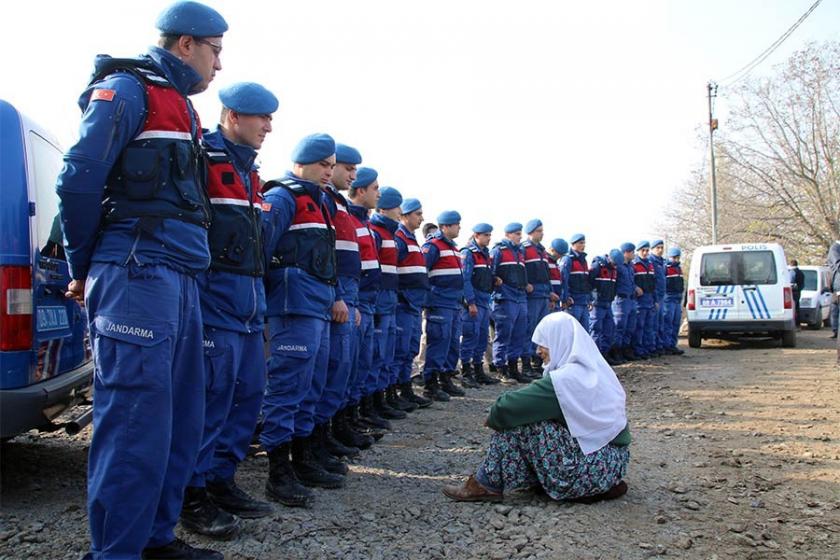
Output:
(407, 343)
(671, 320)
(296, 372)
(657, 342)
(625, 313)
(362, 384)
(537, 309)
(581, 313)
(339, 365)
(511, 321)
(442, 325)
(664, 328)
(384, 345)
(602, 327)
(454, 352)
(834, 315)
(235, 367)
(148, 404)
(474, 333)
(641, 335)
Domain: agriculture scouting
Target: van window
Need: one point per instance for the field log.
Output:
(810, 280)
(732, 268)
(47, 163)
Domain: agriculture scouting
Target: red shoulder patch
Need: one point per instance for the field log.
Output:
(103, 95)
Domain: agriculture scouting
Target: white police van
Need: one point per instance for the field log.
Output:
(46, 366)
(740, 290)
(815, 299)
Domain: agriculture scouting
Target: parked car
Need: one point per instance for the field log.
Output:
(815, 300)
(740, 290)
(45, 359)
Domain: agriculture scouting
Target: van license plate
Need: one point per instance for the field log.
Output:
(52, 318)
(717, 302)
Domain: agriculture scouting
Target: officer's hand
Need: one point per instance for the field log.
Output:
(497, 281)
(358, 318)
(340, 314)
(570, 301)
(553, 297)
(639, 291)
(529, 288)
(76, 291)
(473, 310)
(590, 307)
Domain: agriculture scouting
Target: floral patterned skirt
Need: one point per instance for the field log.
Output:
(545, 454)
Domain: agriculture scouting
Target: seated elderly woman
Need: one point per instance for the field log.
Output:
(566, 433)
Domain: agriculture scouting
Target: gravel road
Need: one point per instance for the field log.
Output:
(736, 454)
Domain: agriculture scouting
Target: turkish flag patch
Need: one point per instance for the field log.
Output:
(103, 95)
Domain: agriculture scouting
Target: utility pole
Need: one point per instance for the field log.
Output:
(711, 88)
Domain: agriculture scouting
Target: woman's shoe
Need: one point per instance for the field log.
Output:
(616, 491)
(471, 491)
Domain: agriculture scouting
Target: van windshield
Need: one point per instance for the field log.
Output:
(733, 268)
(810, 280)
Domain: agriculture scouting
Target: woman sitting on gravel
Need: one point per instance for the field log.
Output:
(566, 432)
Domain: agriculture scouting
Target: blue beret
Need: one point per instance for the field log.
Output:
(365, 176)
(656, 243)
(313, 148)
(448, 218)
(627, 247)
(410, 205)
(560, 246)
(513, 227)
(347, 154)
(576, 237)
(191, 18)
(616, 256)
(249, 98)
(532, 225)
(482, 228)
(644, 244)
(389, 197)
(674, 252)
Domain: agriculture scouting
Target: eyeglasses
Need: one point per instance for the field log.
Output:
(217, 49)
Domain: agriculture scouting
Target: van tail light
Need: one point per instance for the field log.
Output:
(691, 305)
(788, 298)
(15, 308)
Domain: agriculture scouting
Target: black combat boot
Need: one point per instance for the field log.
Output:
(615, 352)
(536, 364)
(450, 388)
(528, 371)
(179, 550)
(396, 401)
(480, 376)
(343, 431)
(322, 455)
(628, 353)
(283, 485)
(383, 408)
(491, 367)
(505, 375)
(335, 446)
(200, 515)
(308, 469)
(407, 393)
(370, 415)
(608, 358)
(468, 379)
(362, 425)
(432, 389)
(514, 372)
(231, 498)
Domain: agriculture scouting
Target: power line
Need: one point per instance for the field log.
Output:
(749, 67)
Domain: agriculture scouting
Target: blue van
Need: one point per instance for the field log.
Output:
(46, 365)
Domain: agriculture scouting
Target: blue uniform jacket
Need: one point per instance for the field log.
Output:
(235, 302)
(674, 295)
(386, 300)
(346, 287)
(581, 298)
(601, 298)
(369, 281)
(625, 283)
(471, 294)
(647, 298)
(542, 290)
(505, 292)
(659, 275)
(444, 291)
(292, 290)
(106, 129)
(413, 298)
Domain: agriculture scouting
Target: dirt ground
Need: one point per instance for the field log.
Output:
(736, 454)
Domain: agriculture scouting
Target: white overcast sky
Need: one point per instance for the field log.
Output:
(584, 114)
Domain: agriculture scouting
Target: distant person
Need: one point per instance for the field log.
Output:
(566, 432)
(833, 263)
(797, 281)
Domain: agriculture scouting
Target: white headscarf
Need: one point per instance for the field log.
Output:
(587, 389)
